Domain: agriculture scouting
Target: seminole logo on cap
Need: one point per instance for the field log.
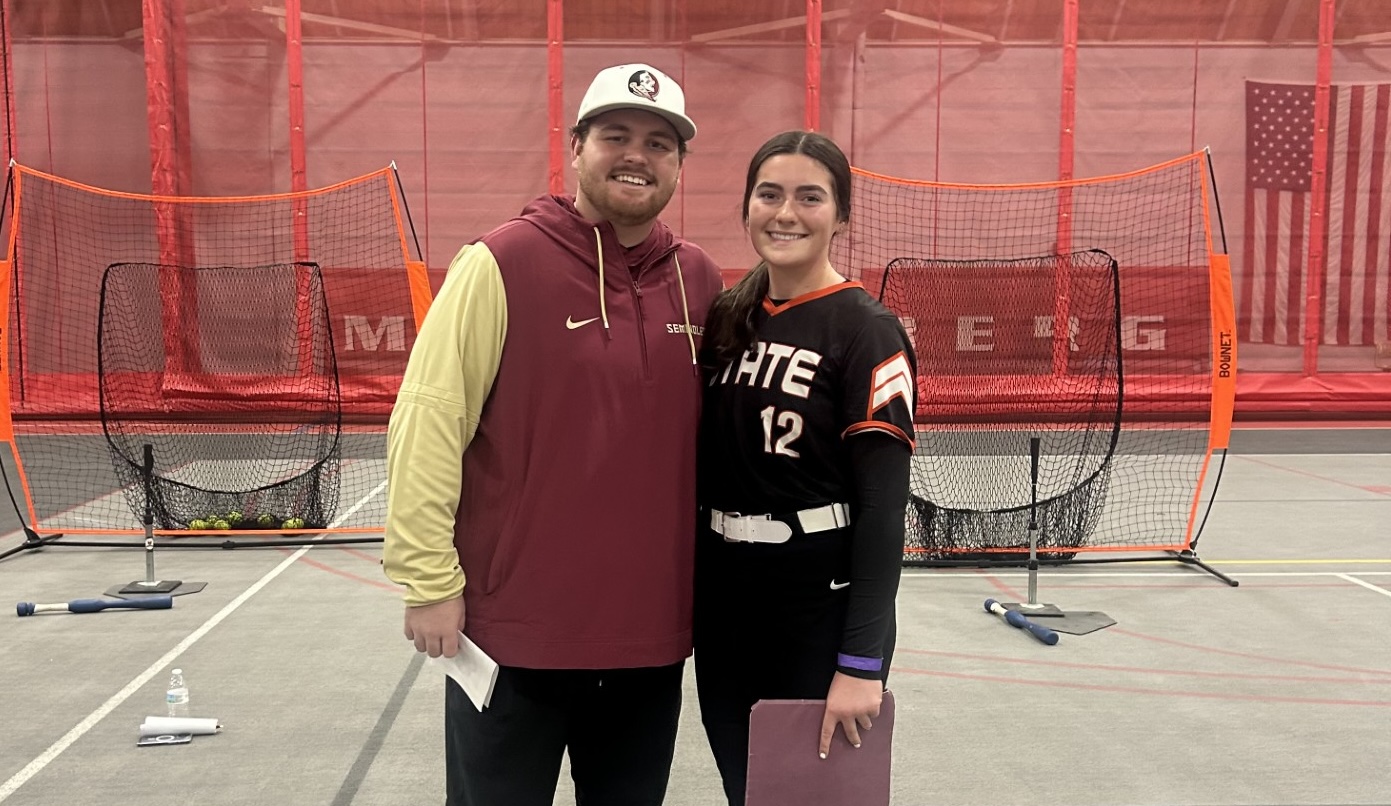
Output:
(643, 84)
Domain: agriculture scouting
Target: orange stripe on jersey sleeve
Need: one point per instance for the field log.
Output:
(877, 425)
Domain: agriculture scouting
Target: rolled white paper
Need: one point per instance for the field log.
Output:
(162, 725)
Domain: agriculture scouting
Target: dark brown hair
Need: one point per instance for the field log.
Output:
(729, 326)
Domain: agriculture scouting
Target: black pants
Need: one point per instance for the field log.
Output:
(768, 627)
(618, 725)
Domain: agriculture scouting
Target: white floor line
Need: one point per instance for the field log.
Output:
(1369, 586)
(54, 750)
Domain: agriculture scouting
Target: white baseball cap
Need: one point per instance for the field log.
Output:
(637, 86)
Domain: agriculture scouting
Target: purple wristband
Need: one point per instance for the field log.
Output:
(857, 662)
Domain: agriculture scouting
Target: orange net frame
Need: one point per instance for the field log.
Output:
(212, 353)
(1129, 401)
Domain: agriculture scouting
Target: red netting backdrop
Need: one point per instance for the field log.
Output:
(471, 100)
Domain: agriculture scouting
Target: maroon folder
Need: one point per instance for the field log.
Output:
(785, 766)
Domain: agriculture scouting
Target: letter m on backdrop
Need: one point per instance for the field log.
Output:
(359, 334)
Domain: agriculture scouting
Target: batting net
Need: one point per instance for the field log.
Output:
(172, 466)
(1128, 401)
(974, 489)
(195, 357)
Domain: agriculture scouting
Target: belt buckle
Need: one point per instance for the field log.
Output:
(756, 529)
(739, 528)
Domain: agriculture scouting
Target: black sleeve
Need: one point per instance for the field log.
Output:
(880, 380)
(880, 464)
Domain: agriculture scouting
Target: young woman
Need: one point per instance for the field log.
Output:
(806, 437)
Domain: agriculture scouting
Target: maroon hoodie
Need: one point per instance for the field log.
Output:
(577, 519)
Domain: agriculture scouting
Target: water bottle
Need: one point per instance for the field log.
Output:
(176, 697)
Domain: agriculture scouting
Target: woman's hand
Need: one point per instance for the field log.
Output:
(851, 703)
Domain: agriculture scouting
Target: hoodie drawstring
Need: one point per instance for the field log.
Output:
(685, 309)
(603, 305)
(680, 283)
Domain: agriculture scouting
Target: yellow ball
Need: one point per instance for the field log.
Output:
(293, 523)
(221, 524)
(198, 524)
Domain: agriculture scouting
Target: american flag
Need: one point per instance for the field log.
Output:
(1356, 289)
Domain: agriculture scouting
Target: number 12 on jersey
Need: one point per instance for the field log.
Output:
(790, 424)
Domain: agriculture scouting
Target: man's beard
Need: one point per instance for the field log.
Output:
(621, 212)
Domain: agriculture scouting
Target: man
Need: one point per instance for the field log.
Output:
(559, 362)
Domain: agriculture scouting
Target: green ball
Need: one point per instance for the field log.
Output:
(233, 517)
(266, 520)
(221, 524)
(198, 524)
(293, 523)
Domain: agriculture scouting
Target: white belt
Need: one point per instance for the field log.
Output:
(764, 529)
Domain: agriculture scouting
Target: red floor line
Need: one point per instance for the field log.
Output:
(1250, 656)
(999, 585)
(1365, 488)
(1015, 597)
(348, 575)
(360, 554)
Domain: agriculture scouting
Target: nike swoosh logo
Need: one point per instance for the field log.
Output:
(572, 324)
(835, 586)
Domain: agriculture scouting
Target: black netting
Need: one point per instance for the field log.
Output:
(1017, 441)
(220, 397)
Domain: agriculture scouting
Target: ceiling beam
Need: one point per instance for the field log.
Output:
(354, 25)
(1116, 21)
(106, 12)
(139, 33)
(863, 14)
(333, 9)
(1338, 15)
(1286, 23)
(1371, 39)
(766, 27)
(319, 19)
(940, 27)
(1226, 20)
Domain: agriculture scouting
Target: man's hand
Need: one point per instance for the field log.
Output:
(435, 627)
(851, 703)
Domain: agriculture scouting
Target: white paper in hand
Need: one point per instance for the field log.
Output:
(473, 670)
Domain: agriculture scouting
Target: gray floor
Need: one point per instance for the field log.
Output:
(1274, 692)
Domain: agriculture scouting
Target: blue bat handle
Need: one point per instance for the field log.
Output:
(141, 603)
